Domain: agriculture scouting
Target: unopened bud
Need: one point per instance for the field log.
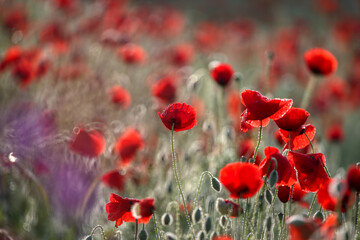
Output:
(273, 178)
(197, 215)
(166, 219)
(143, 235)
(268, 196)
(215, 184)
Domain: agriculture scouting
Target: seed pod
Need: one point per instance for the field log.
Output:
(166, 219)
(170, 236)
(281, 216)
(268, 196)
(200, 235)
(273, 178)
(221, 206)
(197, 215)
(143, 235)
(319, 215)
(215, 184)
(223, 221)
(269, 223)
(207, 225)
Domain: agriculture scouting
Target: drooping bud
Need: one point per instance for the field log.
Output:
(273, 178)
(215, 184)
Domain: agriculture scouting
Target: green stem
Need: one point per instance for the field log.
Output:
(178, 181)
(309, 89)
(312, 146)
(357, 215)
(291, 195)
(136, 229)
(259, 140)
(245, 218)
(199, 186)
(289, 141)
(155, 227)
(312, 205)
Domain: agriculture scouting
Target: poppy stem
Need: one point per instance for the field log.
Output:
(283, 222)
(101, 230)
(357, 214)
(136, 229)
(155, 227)
(291, 196)
(178, 181)
(245, 218)
(308, 92)
(289, 140)
(312, 146)
(199, 186)
(312, 205)
(259, 140)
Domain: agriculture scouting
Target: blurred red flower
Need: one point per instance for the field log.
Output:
(335, 132)
(335, 194)
(132, 54)
(353, 177)
(120, 96)
(223, 238)
(181, 115)
(284, 194)
(88, 143)
(310, 170)
(182, 54)
(114, 179)
(260, 109)
(129, 143)
(222, 74)
(165, 89)
(320, 61)
(120, 209)
(236, 210)
(242, 180)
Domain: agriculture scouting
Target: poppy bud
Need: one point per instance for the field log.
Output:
(200, 235)
(170, 236)
(211, 205)
(89, 237)
(268, 196)
(143, 235)
(273, 178)
(238, 77)
(197, 215)
(270, 55)
(207, 225)
(319, 215)
(213, 235)
(280, 217)
(242, 159)
(221, 206)
(166, 219)
(223, 221)
(215, 184)
(269, 223)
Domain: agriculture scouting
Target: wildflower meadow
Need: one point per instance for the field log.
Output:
(176, 120)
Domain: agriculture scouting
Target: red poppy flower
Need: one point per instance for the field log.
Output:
(243, 180)
(223, 238)
(165, 89)
(222, 74)
(129, 143)
(12, 55)
(335, 133)
(328, 228)
(293, 119)
(182, 54)
(114, 179)
(353, 178)
(132, 54)
(331, 197)
(119, 209)
(24, 72)
(16, 19)
(284, 167)
(284, 193)
(261, 109)
(88, 143)
(235, 208)
(120, 96)
(320, 61)
(181, 115)
(298, 138)
(301, 228)
(310, 170)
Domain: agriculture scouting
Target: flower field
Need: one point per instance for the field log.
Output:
(204, 120)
